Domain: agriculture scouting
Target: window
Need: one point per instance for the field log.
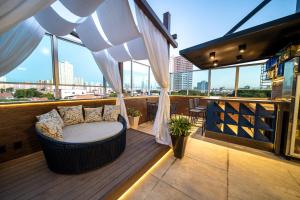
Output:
(81, 92)
(154, 87)
(223, 82)
(140, 79)
(78, 72)
(251, 84)
(143, 79)
(32, 80)
(127, 77)
(193, 83)
(77, 65)
(200, 83)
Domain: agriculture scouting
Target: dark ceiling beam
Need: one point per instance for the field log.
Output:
(247, 17)
(73, 33)
(148, 11)
(298, 6)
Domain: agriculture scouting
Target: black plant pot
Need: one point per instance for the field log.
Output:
(179, 144)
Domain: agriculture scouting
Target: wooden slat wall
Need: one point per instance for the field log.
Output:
(182, 103)
(17, 123)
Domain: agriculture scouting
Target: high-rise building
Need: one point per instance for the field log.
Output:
(202, 86)
(2, 82)
(66, 73)
(182, 79)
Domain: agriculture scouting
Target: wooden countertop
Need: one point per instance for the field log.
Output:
(248, 100)
(239, 99)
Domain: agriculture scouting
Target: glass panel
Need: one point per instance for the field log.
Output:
(140, 79)
(182, 81)
(127, 77)
(250, 84)
(37, 68)
(25, 92)
(81, 92)
(32, 80)
(222, 82)
(77, 65)
(200, 83)
(154, 87)
(288, 78)
(297, 134)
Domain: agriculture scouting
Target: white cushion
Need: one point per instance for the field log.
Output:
(91, 132)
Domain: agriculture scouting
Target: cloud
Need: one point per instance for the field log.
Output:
(22, 68)
(45, 51)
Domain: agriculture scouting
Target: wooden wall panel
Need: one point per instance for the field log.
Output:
(182, 103)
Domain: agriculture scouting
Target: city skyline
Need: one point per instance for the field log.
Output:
(38, 66)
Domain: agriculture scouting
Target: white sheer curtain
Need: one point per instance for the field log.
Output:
(14, 11)
(110, 70)
(158, 54)
(18, 43)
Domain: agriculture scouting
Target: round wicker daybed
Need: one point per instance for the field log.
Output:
(71, 157)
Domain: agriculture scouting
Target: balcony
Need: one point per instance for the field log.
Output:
(72, 72)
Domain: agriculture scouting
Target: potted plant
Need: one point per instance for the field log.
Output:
(134, 117)
(179, 129)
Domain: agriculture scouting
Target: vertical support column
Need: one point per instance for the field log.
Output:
(121, 74)
(55, 65)
(209, 82)
(167, 24)
(105, 86)
(236, 84)
(131, 78)
(298, 6)
(149, 92)
(167, 20)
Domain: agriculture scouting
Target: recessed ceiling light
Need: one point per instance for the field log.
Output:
(212, 55)
(215, 63)
(242, 48)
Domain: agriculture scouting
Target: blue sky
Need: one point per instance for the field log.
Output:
(198, 21)
(194, 21)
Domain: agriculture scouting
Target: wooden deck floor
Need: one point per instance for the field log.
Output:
(29, 178)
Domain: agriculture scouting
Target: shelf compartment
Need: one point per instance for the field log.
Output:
(246, 132)
(230, 129)
(230, 109)
(265, 110)
(231, 118)
(245, 110)
(259, 135)
(243, 121)
(260, 124)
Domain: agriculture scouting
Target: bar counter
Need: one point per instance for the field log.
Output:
(254, 122)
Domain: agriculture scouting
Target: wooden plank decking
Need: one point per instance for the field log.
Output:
(29, 178)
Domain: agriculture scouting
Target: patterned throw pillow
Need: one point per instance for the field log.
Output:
(50, 128)
(111, 112)
(53, 114)
(93, 114)
(71, 114)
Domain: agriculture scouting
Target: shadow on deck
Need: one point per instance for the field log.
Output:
(29, 178)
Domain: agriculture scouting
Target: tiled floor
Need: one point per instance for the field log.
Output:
(212, 171)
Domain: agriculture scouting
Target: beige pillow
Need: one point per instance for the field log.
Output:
(111, 112)
(50, 128)
(53, 114)
(71, 114)
(93, 114)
